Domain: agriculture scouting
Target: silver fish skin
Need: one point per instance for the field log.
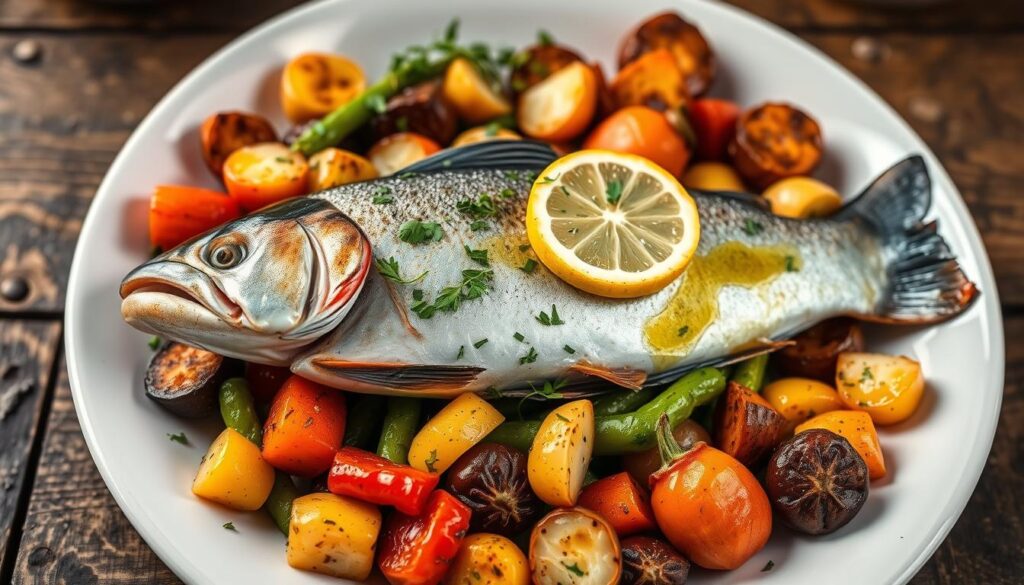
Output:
(757, 279)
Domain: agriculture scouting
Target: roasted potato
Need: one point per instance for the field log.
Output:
(534, 64)
(393, 153)
(225, 132)
(774, 141)
(470, 93)
(693, 54)
(561, 107)
(746, 426)
(315, 84)
(422, 109)
(652, 80)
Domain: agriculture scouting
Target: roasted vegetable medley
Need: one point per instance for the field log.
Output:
(631, 486)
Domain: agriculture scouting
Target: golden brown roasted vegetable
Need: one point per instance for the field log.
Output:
(225, 132)
(774, 141)
(669, 30)
(534, 64)
(652, 80)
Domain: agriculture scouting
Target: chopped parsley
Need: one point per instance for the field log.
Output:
(478, 256)
(544, 38)
(524, 247)
(684, 330)
(563, 418)
(481, 343)
(473, 286)
(376, 102)
(550, 390)
(512, 175)
(528, 266)
(768, 566)
(406, 175)
(752, 227)
(519, 336)
(389, 270)
(507, 193)
(154, 342)
(530, 357)
(568, 349)
(383, 196)
(417, 294)
(418, 232)
(866, 375)
(481, 207)
(179, 438)
(548, 179)
(431, 461)
(614, 191)
(462, 352)
(491, 129)
(552, 319)
(574, 569)
(479, 225)
(229, 526)
(283, 160)
(791, 264)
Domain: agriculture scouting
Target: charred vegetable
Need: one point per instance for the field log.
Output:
(422, 109)
(185, 379)
(649, 561)
(535, 64)
(815, 351)
(817, 482)
(693, 55)
(225, 132)
(857, 428)
(774, 141)
(574, 545)
(491, 480)
(746, 426)
(372, 478)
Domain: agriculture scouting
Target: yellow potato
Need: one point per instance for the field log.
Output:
(561, 107)
(233, 473)
(464, 422)
(488, 559)
(468, 92)
(561, 452)
(332, 167)
(799, 399)
(483, 134)
(333, 535)
(888, 388)
(802, 197)
(713, 176)
(314, 84)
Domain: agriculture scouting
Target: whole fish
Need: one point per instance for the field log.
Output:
(300, 283)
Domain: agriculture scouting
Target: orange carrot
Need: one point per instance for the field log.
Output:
(622, 502)
(178, 213)
(305, 427)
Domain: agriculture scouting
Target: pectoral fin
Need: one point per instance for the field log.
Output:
(625, 377)
(397, 378)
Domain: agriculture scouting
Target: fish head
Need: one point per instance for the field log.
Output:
(260, 288)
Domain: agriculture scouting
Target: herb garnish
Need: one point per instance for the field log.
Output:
(473, 286)
(154, 342)
(614, 191)
(519, 336)
(481, 343)
(684, 330)
(479, 225)
(548, 179)
(418, 232)
(229, 526)
(528, 266)
(462, 353)
(491, 129)
(383, 196)
(377, 103)
(768, 566)
(544, 38)
(553, 319)
(431, 461)
(530, 357)
(568, 349)
(574, 569)
(752, 227)
(791, 264)
(482, 207)
(178, 438)
(563, 418)
(389, 270)
(406, 175)
(866, 375)
(478, 256)
(402, 124)
(507, 193)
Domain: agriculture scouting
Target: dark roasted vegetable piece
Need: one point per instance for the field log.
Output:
(817, 482)
(816, 350)
(746, 426)
(669, 30)
(649, 561)
(641, 465)
(421, 109)
(225, 132)
(534, 64)
(491, 480)
(774, 141)
(185, 379)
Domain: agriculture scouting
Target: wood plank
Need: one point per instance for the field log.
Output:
(74, 532)
(155, 15)
(26, 361)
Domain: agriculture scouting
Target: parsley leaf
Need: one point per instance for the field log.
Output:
(376, 102)
(548, 179)
(473, 286)
(418, 232)
(389, 270)
(154, 342)
(544, 38)
(866, 374)
(519, 336)
(229, 526)
(478, 256)
(752, 227)
(178, 438)
(462, 352)
(553, 319)
(563, 418)
(481, 207)
(684, 330)
(528, 266)
(431, 461)
(383, 196)
(614, 191)
(768, 566)
(507, 193)
(491, 129)
(481, 343)
(569, 349)
(479, 225)
(530, 357)
(574, 569)
(791, 264)
(402, 124)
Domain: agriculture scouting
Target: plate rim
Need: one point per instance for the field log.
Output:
(992, 328)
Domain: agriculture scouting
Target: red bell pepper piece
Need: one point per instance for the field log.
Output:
(714, 123)
(621, 501)
(305, 427)
(416, 550)
(371, 478)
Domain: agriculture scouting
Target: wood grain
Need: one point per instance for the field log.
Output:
(74, 532)
(150, 15)
(26, 361)
(863, 15)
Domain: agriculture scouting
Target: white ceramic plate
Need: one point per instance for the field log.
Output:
(935, 459)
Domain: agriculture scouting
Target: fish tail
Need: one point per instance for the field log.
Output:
(925, 282)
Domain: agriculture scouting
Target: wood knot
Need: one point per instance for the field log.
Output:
(14, 288)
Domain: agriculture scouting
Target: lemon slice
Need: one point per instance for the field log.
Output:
(612, 224)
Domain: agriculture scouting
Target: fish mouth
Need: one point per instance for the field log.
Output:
(183, 283)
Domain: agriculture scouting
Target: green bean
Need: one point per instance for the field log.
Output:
(750, 372)
(238, 410)
(364, 419)
(632, 431)
(621, 401)
(400, 425)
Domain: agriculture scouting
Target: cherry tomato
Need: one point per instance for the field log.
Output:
(645, 132)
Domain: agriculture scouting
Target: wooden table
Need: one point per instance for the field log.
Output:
(77, 77)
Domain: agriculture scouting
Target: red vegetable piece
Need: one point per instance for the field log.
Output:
(714, 123)
(371, 478)
(416, 550)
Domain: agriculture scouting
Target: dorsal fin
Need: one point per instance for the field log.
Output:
(492, 154)
(748, 198)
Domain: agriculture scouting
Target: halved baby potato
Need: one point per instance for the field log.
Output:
(333, 535)
(462, 423)
(488, 559)
(473, 98)
(888, 388)
(265, 173)
(574, 546)
(393, 153)
(799, 399)
(233, 473)
(561, 453)
(332, 167)
(314, 84)
(561, 107)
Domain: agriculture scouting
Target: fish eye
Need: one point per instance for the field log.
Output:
(226, 255)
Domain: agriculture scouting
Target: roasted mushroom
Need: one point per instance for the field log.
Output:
(421, 109)
(491, 479)
(649, 561)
